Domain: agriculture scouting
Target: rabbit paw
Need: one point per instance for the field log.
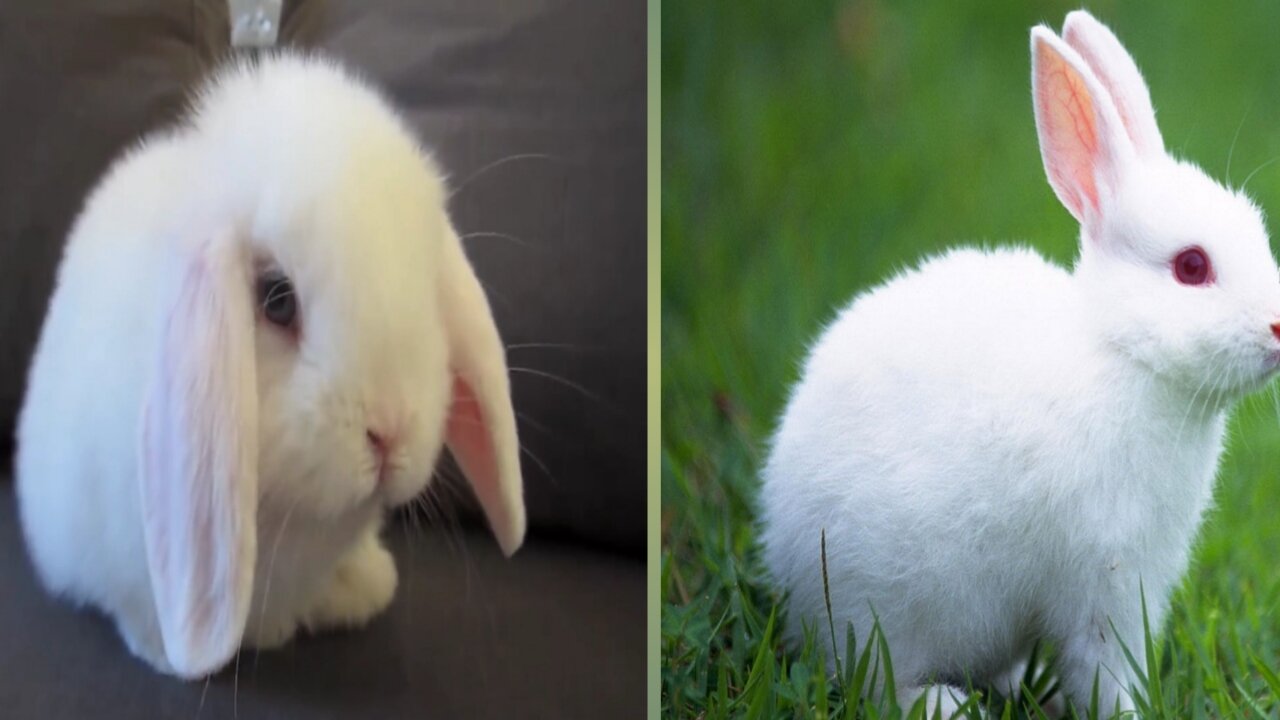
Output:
(1010, 686)
(940, 699)
(362, 586)
(269, 636)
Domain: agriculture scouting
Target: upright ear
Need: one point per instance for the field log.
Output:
(1083, 144)
(1118, 73)
(481, 429)
(198, 459)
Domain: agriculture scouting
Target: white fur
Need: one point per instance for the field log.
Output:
(1001, 450)
(313, 174)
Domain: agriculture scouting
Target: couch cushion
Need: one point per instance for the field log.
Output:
(78, 84)
(535, 108)
(556, 632)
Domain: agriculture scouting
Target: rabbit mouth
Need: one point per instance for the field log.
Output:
(393, 484)
(1271, 365)
(384, 473)
(379, 476)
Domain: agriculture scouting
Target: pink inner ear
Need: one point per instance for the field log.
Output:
(1113, 67)
(1069, 130)
(470, 440)
(1117, 96)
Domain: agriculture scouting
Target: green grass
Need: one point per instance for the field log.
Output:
(811, 149)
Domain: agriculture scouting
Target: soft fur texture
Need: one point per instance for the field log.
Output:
(208, 478)
(1000, 450)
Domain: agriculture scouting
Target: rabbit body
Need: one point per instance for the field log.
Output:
(999, 450)
(987, 473)
(87, 380)
(210, 479)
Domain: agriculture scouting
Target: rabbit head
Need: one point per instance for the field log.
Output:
(1178, 268)
(323, 336)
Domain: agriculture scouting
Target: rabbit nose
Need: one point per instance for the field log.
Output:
(1275, 329)
(382, 440)
(383, 428)
(377, 441)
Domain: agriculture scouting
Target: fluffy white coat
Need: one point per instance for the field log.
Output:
(1000, 450)
(205, 477)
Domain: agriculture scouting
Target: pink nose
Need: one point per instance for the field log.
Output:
(1275, 329)
(384, 430)
(381, 442)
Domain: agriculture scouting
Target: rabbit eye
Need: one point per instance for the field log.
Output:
(279, 301)
(1191, 267)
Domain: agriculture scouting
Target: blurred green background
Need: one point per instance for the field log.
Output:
(810, 150)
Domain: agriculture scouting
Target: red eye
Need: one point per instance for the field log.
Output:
(1191, 267)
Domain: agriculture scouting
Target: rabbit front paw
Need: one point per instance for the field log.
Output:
(939, 700)
(361, 588)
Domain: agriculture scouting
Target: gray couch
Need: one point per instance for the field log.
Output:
(556, 632)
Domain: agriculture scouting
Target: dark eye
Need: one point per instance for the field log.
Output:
(1191, 267)
(278, 300)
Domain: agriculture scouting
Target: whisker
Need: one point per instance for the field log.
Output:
(499, 163)
(422, 506)
(203, 693)
(1245, 184)
(431, 503)
(1191, 405)
(541, 465)
(526, 420)
(437, 510)
(235, 694)
(423, 520)
(453, 496)
(453, 531)
(408, 579)
(1275, 400)
(555, 346)
(266, 588)
(427, 498)
(1234, 138)
(563, 381)
(512, 238)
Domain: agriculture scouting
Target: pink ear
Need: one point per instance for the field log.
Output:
(1081, 139)
(481, 430)
(198, 461)
(1119, 75)
(470, 440)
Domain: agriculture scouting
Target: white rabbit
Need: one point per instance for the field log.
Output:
(264, 329)
(1000, 450)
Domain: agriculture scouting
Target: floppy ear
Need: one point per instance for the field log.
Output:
(481, 429)
(1118, 73)
(1082, 141)
(198, 459)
